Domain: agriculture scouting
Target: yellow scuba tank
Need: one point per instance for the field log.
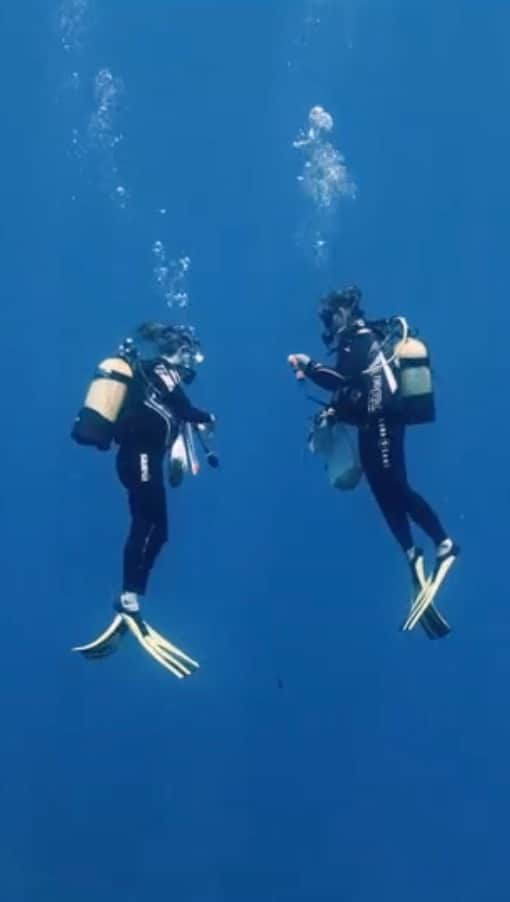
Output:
(95, 422)
(416, 396)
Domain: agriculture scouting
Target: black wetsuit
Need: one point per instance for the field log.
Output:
(146, 430)
(366, 400)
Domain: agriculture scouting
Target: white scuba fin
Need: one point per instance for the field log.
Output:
(157, 646)
(107, 642)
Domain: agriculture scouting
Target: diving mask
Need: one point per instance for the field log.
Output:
(186, 358)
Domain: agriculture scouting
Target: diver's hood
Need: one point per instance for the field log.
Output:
(339, 312)
(177, 345)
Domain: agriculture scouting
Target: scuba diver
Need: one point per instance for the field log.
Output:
(380, 383)
(140, 405)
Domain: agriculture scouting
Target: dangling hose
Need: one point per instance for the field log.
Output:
(212, 459)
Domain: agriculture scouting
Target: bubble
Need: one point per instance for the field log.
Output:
(72, 23)
(108, 90)
(320, 120)
(121, 195)
(324, 179)
(102, 135)
(170, 276)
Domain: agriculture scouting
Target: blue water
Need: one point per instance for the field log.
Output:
(319, 755)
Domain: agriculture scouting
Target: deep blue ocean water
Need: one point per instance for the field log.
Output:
(319, 755)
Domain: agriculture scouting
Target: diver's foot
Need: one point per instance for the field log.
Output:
(446, 549)
(127, 603)
(416, 564)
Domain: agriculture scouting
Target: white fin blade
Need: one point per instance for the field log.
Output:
(164, 643)
(427, 595)
(105, 636)
(149, 648)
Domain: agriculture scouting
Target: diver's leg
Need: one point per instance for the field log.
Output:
(382, 455)
(380, 458)
(418, 509)
(425, 517)
(154, 507)
(141, 473)
(422, 607)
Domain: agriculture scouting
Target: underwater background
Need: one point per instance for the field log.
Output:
(157, 162)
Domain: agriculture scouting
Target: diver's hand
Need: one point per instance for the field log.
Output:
(206, 432)
(207, 429)
(327, 416)
(299, 363)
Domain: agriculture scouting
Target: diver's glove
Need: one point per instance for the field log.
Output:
(326, 417)
(299, 363)
(207, 430)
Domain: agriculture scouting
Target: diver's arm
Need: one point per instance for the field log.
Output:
(323, 376)
(182, 407)
(172, 395)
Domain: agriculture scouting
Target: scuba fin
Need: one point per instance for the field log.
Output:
(164, 652)
(432, 622)
(107, 642)
(427, 594)
(183, 456)
(189, 450)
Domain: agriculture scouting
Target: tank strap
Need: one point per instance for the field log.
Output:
(114, 376)
(414, 362)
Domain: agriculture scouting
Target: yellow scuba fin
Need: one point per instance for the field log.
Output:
(164, 652)
(165, 645)
(434, 625)
(425, 598)
(107, 642)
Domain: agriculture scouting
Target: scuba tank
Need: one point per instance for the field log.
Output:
(410, 366)
(95, 423)
(416, 397)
